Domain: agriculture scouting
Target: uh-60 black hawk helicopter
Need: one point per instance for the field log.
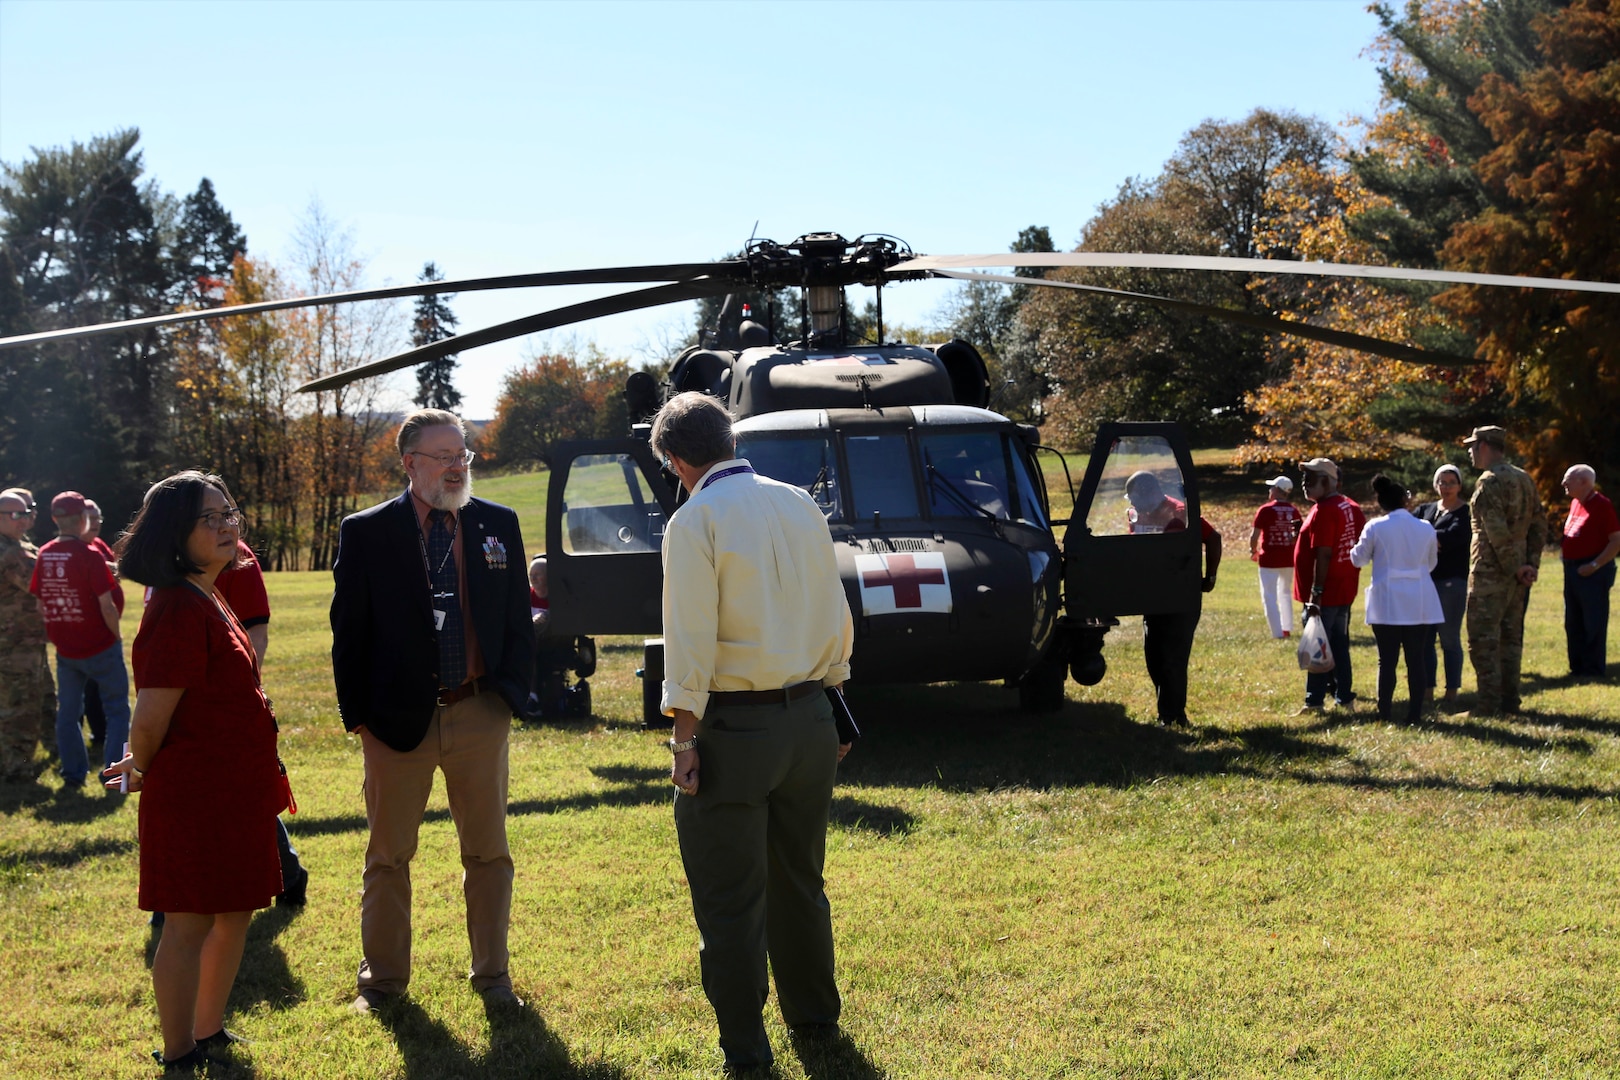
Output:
(937, 506)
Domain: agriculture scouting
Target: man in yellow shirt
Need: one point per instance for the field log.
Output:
(755, 626)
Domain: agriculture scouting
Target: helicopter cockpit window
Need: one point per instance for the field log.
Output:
(966, 474)
(880, 476)
(1141, 492)
(608, 508)
(807, 461)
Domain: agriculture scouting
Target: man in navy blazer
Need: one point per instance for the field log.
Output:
(431, 642)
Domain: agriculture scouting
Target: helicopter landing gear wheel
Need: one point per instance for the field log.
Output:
(1042, 689)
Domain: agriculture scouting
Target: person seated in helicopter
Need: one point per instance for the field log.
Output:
(551, 694)
(1152, 510)
(970, 479)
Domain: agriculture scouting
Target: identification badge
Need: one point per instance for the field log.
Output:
(438, 618)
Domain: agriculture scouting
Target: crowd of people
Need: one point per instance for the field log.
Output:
(1438, 568)
(440, 631)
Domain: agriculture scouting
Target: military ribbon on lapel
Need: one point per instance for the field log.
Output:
(494, 553)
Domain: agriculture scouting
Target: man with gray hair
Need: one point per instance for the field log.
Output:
(756, 624)
(1504, 559)
(430, 653)
(1591, 542)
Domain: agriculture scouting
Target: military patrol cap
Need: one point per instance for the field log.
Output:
(1496, 436)
(1320, 465)
(67, 504)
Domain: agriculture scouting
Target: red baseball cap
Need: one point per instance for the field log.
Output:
(67, 504)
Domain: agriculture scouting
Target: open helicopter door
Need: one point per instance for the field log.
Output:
(1133, 545)
(606, 507)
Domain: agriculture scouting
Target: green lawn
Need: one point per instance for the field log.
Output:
(1075, 895)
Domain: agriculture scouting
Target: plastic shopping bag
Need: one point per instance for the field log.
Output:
(1314, 654)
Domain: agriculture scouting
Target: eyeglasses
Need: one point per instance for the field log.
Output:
(219, 519)
(449, 461)
(18, 515)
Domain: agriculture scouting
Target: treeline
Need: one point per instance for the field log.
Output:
(84, 239)
(1496, 149)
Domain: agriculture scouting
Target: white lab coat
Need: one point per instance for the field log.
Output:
(1402, 550)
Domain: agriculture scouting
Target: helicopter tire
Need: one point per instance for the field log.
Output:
(652, 685)
(1042, 689)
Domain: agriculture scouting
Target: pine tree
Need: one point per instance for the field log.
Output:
(434, 321)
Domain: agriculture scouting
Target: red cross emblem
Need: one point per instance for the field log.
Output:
(902, 574)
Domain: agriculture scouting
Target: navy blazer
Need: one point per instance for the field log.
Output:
(385, 652)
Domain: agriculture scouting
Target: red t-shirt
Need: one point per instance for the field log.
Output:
(106, 552)
(1335, 522)
(1589, 526)
(1278, 523)
(243, 588)
(69, 577)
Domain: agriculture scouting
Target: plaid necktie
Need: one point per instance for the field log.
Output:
(442, 567)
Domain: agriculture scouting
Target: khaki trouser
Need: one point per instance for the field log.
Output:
(468, 742)
(753, 841)
(27, 707)
(1495, 620)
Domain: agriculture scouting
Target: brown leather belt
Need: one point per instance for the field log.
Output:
(466, 690)
(764, 697)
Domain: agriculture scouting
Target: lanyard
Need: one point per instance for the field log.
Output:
(723, 473)
(455, 526)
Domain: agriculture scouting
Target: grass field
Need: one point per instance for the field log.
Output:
(1074, 895)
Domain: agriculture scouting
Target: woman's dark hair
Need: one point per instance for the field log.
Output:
(1391, 495)
(152, 551)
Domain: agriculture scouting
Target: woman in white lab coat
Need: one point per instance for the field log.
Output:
(1403, 606)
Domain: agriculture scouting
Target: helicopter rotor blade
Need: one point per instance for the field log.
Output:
(1142, 261)
(1270, 324)
(531, 324)
(608, 275)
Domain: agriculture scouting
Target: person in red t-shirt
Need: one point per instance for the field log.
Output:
(1591, 542)
(75, 591)
(1325, 579)
(1167, 637)
(94, 715)
(1271, 544)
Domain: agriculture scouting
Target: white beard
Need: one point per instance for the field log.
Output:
(441, 498)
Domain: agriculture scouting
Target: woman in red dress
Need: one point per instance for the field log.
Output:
(202, 750)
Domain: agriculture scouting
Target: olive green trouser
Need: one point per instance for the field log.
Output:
(753, 842)
(1495, 620)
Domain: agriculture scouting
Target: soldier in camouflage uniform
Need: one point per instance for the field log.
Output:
(1510, 529)
(27, 695)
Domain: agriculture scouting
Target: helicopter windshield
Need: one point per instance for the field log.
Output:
(968, 477)
(1141, 491)
(882, 481)
(805, 460)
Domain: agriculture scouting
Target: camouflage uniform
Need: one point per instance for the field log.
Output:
(27, 694)
(1510, 529)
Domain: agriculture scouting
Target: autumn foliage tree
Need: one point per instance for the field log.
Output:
(556, 396)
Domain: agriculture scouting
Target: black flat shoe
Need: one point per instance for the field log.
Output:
(190, 1062)
(223, 1039)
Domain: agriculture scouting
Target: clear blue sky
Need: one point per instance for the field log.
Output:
(505, 137)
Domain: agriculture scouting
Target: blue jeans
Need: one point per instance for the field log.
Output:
(1586, 617)
(1336, 621)
(1453, 602)
(106, 670)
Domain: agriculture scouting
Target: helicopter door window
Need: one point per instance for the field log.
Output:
(608, 508)
(881, 477)
(808, 462)
(1141, 492)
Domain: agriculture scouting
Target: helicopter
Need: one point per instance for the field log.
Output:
(938, 507)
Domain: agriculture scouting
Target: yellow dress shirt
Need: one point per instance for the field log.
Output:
(752, 596)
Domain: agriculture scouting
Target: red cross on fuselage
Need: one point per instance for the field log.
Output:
(903, 576)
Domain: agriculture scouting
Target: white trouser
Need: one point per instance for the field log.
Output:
(1277, 593)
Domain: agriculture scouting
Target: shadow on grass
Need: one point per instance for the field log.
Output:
(833, 1057)
(851, 813)
(63, 858)
(966, 738)
(520, 1045)
(265, 975)
(79, 806)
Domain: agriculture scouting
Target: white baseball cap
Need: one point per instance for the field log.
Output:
(1281, 482)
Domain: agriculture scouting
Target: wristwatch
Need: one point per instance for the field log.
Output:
(682, 747)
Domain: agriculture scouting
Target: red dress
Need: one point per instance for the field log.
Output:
(213, 789)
